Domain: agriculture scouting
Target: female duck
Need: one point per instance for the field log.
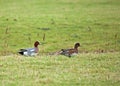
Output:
(70, 52)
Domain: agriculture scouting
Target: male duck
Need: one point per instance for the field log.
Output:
(30, 51)
(70, 52)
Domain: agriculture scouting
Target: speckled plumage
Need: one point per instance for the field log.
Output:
(70, 52)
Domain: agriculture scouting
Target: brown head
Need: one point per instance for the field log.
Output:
(77, 45)
(36, 44)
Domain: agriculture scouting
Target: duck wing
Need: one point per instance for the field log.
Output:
(27, 52)
(68, 52)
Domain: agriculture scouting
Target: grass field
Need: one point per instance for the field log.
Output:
(83, 70)
(93, 23)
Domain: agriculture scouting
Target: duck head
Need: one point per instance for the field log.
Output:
(76, 45)
(36, 44)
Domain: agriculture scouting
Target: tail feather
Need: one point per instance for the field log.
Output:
(62, 51)
(23, 50)
(21, 53)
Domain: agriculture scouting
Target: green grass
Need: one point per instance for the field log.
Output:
(93, 23)
(83, 70)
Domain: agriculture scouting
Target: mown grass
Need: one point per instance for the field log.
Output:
(93, 23)
(83, 70)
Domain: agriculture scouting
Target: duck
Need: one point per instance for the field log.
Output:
(30, 51)
(70, 52)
